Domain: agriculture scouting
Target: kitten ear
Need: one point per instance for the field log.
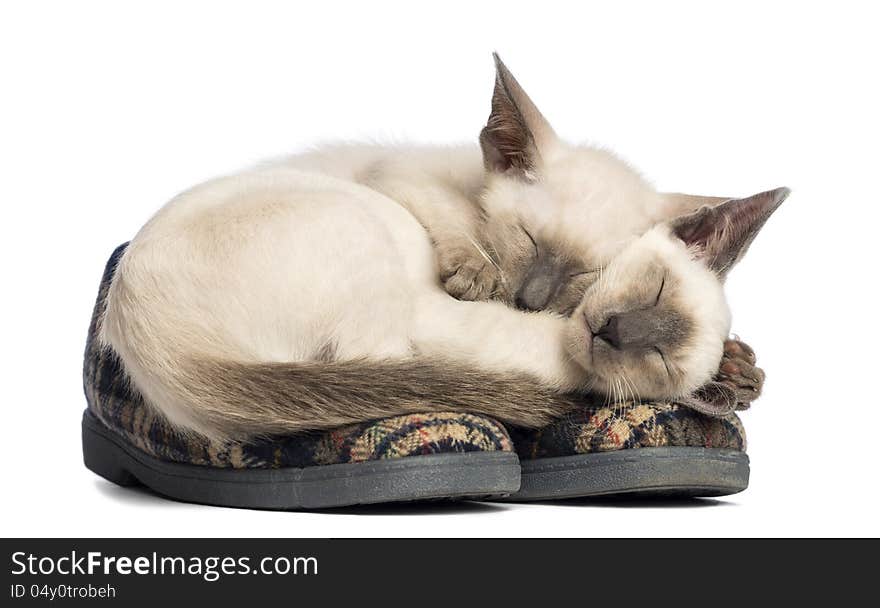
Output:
(516, 131)
(721, 234)
(676, 204)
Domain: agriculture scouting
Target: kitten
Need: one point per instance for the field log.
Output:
(528, 222)
(304, 294)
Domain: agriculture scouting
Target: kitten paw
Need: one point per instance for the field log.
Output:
(739, 372)
(467, 277)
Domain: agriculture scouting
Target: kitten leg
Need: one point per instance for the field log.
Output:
(466, 269)
(493, 337)
(737, 383)
(739, 372)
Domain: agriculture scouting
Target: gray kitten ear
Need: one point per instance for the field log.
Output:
(516, 131)
(722, 233)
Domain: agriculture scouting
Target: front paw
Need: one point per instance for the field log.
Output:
(467, 276)
(739, 372)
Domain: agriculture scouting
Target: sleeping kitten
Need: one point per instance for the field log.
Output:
(528, 222)
(305, 295)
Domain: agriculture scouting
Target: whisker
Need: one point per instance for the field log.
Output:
(485, 254)
(619, 398)
(637, 398)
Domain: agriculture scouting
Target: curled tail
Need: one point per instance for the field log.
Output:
(238, 400)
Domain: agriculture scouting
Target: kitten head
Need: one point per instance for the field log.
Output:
(652, 325)
(554, 212)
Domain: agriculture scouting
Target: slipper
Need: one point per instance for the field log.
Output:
(404, 458)
(642, 449)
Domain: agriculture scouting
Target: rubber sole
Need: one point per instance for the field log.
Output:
(669, 471)
(467, 475)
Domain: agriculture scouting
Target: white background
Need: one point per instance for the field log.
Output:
(108, 110)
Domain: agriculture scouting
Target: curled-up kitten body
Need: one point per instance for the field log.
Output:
(305, 294)
(280, 300)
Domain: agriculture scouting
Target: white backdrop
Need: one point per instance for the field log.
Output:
(107, 110)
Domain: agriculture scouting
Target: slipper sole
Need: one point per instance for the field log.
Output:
(669, 471)
(462, 475)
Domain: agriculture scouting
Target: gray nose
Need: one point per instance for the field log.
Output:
(542, 281)
(610, 332)
(535, 292)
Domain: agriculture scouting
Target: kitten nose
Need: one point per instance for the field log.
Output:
(535, 294)
(542, 282)
(610, 331)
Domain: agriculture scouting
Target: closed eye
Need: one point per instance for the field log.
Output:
(580, 274)
(531, 238)
(663, 358)
(660, 293)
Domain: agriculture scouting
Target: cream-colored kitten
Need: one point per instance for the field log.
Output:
(305, 294)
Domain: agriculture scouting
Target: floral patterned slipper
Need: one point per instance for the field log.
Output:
(412, 457)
